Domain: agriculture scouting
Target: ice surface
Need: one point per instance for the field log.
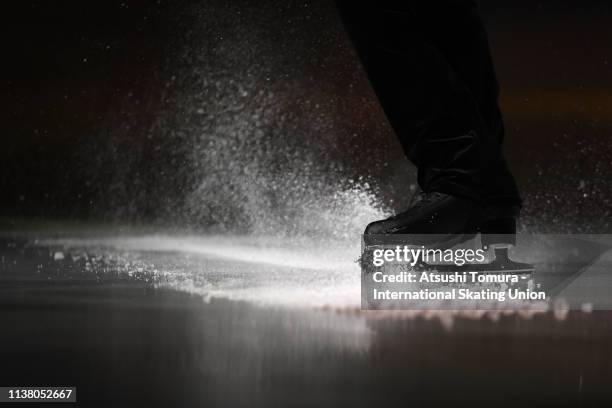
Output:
(262, 270)
(308, 273)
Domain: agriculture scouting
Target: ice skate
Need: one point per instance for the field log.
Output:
(441, 221)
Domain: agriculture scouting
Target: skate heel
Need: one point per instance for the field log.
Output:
(498, 232)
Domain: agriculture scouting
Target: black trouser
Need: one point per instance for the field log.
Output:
(430, 65)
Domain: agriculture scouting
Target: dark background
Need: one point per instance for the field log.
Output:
(187, 112)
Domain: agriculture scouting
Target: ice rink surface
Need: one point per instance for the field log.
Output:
(161, 320)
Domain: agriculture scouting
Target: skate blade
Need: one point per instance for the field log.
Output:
(493, 267)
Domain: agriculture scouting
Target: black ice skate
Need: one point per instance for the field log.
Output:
(441, 221)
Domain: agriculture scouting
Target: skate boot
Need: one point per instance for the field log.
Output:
(440, 221)
(443, 220)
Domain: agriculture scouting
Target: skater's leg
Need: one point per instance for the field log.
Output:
(463, 41)
(433, 90)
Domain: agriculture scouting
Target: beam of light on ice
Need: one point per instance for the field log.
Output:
(300, 272)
